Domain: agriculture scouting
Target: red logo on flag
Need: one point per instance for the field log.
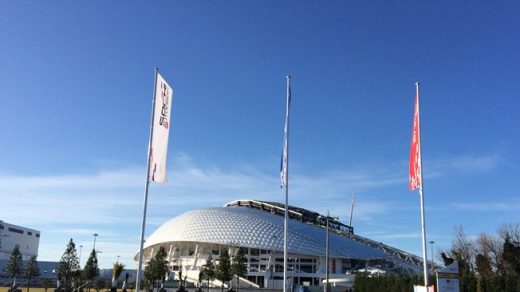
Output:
(415, 150)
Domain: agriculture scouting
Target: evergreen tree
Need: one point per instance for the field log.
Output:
(199, 281)
(31, 270)
(91, 269)
(511, 257)
(14, 265)
(157, 267)
(208, 270)
(68, 267)
(223, 268)
(239, 266)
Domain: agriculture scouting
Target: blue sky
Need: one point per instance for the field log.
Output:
(75, 103)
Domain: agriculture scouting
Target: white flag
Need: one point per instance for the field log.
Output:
(161, 129)
(285, 154)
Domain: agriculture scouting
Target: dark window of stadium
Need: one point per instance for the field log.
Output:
(15, 230)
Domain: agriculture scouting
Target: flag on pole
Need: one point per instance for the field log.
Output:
(283, 164)
(415, 174)
(161, 129)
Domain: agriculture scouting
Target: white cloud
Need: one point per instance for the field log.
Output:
(468, 164)
(489, 206)
(110, 202)
(383, 236)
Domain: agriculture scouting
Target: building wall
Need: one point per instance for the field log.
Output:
(265, 267)
(11, 235)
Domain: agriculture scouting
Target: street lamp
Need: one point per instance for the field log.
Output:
(327, 218)
(95, 236)
(97, 252)
(433, 264)
(118, 258)
(80, 248)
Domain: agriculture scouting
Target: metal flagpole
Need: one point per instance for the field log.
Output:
(351, 209)
(286, 220)
(326, 288)
(141, 243)
(425, 263)
(421, 193)
(423, 224)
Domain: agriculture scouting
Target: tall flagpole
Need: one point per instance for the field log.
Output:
(352, 209)
(423, 224)
(143, 224)
(421, 193)
(286, 220)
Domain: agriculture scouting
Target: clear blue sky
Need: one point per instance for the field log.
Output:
(75, 101)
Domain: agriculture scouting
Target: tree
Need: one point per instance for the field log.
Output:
(14, 265)
(239, 266)
(68, 267)
(100, 284)
(491, 248)
(511, 257)
(117, 269)
(208, 270)
(223, 268)
(463, 251)
(199, 281)
(91, 269)
(511, 231)
(157, 267)
(46, 284)
(31, 270)
(483, 265)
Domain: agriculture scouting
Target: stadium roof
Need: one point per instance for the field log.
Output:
(244, 226)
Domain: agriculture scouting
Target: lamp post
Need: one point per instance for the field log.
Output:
(80, 248)
(97, 252)
(95, 236)
(327, 218)
(433, 264)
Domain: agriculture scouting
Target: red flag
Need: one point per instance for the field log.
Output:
(415, 174)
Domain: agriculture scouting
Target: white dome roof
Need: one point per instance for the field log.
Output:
(254, 228)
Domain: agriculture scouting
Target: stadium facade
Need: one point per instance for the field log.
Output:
(256, 229)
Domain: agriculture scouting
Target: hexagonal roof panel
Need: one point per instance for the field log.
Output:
(253, 228)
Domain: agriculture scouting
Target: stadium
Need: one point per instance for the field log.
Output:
(256, 228)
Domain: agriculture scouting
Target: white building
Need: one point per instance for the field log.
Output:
(256, 228)
(11, 235)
